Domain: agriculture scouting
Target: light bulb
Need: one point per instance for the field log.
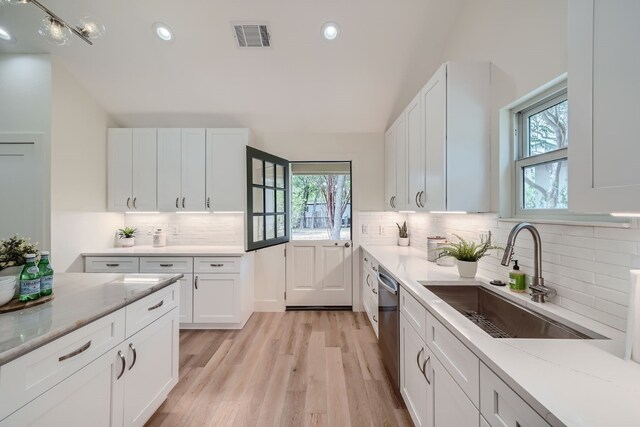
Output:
(163, 31)
(90, 27)
(55, 32)
(330, 30)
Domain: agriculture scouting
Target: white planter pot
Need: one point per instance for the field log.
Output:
(13, 271)
(403, 241)
(467, 269)
(127, 242)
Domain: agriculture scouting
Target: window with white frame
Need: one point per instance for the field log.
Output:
(541, 164)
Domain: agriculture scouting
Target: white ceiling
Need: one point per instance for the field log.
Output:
(303, 83)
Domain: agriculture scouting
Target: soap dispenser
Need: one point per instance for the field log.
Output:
(517, 281)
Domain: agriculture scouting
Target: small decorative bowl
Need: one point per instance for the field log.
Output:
(7, 288)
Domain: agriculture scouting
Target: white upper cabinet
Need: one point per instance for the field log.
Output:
(226, 169)
(132, 170)
(604, 88)
(445, 163)
(181, 170)
(396, 165)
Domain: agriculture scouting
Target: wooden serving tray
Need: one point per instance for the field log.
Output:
(15, 304)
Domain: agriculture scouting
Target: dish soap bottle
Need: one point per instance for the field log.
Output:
(30, 279)
(517, 282)
(46, 275)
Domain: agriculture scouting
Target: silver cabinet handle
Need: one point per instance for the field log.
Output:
(367, 280)
(418, 360)
(216, 265)
(424, 369)
(422, 193)
(196, 282)
(177, 200)
(135, 355)
(374, 291)
(75, 352)
(374, 318)
(208, 202)
(166, 265)
(124, 364)
(134, 203)
(113, 265)
(158, 305)
(417, 202)
(183, 199)
(128, 202)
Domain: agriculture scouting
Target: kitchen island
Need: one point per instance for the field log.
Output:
(71, 360)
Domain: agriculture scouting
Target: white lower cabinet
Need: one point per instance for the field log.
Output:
(413, 385)
(216, 298)
(186, 298)
(451, 406)
(85, 398)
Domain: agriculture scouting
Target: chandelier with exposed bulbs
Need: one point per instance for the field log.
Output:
(57, 31)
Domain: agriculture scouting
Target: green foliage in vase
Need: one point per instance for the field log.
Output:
(468, 251)
(127, 232)
(13, 250)
(403, 232)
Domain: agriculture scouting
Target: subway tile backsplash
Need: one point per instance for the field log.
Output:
(588, 265)
(190, 229)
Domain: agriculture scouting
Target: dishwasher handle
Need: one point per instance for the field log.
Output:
(388, 283)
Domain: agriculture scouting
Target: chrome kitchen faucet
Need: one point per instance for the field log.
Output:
(538, 290)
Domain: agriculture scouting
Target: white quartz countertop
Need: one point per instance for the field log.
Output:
(80, 298)
(169, 251)
(569, 382)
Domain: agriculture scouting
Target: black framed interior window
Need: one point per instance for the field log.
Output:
(267, 199)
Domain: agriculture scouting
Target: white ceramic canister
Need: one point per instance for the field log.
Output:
(432, 247)
(159, 238)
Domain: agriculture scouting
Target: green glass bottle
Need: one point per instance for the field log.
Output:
(30, 279)
(46, 274)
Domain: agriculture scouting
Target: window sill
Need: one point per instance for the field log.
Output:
(576, 223)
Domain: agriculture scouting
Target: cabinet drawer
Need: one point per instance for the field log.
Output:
(369, 261)
(414, 312)
(111, 264)
(166, 265)
(25, 378)
(458, 360)
(501, 406)
(217, 265)
(143, 312)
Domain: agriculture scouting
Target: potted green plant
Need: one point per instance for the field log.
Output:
(127, 236)
(467, 254)
(403, 234)
(12, 253)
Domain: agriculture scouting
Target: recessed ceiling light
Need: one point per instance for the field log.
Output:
(163, 31)
(330, 30)
(5, 35)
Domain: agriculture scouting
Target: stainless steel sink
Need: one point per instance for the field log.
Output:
(501, 318)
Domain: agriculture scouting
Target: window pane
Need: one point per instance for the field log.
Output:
(280, 226)
(545, 185)
(271, 226)
(280, 200)
(257, 172)
(258, 228)
(279, 176)
(258, 200)
(269, 174)
(270, 201)
(548, 129)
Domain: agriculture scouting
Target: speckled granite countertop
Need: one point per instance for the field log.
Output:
(80, 298)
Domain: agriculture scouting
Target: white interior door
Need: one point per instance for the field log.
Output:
(319, 273)
(20, 192)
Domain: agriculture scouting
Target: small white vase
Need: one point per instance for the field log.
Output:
(15, 271)
(467, 269)
(403, 241)
(127, 242)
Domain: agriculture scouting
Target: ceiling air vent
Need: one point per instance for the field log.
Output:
(252, 35)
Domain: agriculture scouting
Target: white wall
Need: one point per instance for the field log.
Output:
(366, 151)
(25, 106)
(78, 173)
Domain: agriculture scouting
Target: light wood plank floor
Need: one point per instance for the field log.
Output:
(319, 368)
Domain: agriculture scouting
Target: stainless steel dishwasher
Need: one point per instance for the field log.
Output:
(388, 324)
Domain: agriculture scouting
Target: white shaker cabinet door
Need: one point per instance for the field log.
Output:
(400, 202)
(226, 169)
(216, 298)
(93, 396)
(144, 170)
(186, 298)
(390, 168)
(169, 169)
(120, 169)
(434, 110)
(604, 70)
(450, 405)
(193, 170)
(415, 389)
(152, 368)
(415, 155)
